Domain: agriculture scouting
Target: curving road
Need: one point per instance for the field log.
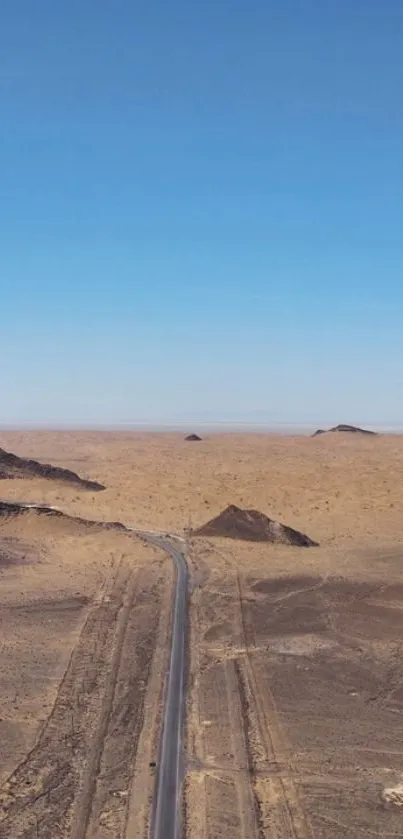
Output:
(166, 821)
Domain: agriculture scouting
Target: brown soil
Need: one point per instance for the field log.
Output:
(252, 526)
(82, 613)
(313, 660)
(295, 681)
(13, 467)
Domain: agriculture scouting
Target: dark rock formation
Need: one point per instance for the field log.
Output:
(253, 526)
(13, 467)
(349, 429)
(193, 438)
(16, 508)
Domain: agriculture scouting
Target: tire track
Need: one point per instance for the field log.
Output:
(247, 802)
(82, 810)
(52, 793)
(281, 813)
(222, 794)
(223, 759)
(50, 767)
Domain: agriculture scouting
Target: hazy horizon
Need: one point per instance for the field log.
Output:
(211, 427)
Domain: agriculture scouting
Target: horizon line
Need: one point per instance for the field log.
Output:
(181, 425)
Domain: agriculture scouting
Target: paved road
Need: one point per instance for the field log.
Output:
(166, 816)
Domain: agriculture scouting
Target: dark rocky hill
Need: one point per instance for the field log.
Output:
(13, 467)
(348, 429)
(253, 526)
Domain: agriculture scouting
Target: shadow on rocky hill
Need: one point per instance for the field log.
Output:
(253, 526)
(13, 467)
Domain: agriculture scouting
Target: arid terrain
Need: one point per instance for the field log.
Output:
(84, 619)
(295, 688)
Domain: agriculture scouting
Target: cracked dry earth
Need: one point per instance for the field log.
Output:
(85, 772)
(296, 697)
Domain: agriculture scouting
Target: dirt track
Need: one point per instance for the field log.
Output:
(76, 781)
(241, 754)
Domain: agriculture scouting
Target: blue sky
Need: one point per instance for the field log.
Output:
(201, 211)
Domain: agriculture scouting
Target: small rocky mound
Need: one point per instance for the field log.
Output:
(193, 438)
(235, 523)
(349, 429)
(13, 467)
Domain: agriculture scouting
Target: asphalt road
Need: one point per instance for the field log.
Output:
(166, 816)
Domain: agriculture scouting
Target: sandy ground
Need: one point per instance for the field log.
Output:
(295, 684)
(337, 489)
(84, 621)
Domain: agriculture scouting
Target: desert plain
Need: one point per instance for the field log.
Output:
(295, 668)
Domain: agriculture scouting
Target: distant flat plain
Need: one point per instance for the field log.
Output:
(296, 680)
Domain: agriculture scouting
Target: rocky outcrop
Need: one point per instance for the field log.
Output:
(13, 467)
(252, 526)
(348, 429)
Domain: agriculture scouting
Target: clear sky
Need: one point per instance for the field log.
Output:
(201, 211)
